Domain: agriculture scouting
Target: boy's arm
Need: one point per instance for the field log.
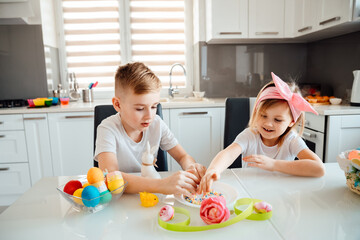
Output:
(178, 183)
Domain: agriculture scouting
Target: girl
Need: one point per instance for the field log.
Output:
(271, 142)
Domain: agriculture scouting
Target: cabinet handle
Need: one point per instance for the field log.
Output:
(266, 33)
(35, 118)
(305, 28)
(4, 169)
(330, 20)
(2, 136)
(85, 116)
(309, 135)
(307, 123)
(194, 113)
(230, 33)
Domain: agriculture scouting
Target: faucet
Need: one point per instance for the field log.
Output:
(172, 90)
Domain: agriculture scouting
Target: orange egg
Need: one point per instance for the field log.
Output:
(95, 175)
(355, 154)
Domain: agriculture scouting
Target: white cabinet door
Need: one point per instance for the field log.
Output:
(266, 18)
(198, 132)
(343, 133)
(334, 12)
(71, 137)
(306, 16)
(226, 19)
(38, 145)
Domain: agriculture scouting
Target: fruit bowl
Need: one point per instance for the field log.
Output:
(351, 169)
(99, 202)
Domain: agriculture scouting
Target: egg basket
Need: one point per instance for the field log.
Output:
(77, 202)
(352, 174)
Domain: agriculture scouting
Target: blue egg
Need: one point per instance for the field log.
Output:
(105, 197)
(90, 196)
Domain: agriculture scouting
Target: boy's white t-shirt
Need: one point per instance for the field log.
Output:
(112, 137)
(251, 143)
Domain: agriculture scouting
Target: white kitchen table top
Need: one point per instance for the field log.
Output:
(303, 208)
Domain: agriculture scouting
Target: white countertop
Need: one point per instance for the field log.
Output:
(303, 208)
(337, 110)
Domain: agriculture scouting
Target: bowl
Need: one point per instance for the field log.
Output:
(335, 101)
(352, 174)
(199, 94)
(55, 100)
(31, 103)
(77, 202)
(48, 102)
(39, 102)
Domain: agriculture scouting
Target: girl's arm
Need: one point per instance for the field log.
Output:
(186, 162)
(309, 164)
(221, 162)
(180, 182)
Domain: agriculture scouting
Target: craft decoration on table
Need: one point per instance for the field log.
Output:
(349, 162)
(148, 162)
(148, 199)
(215, 213)
(198, 199)
(115, 182)
(262, 207)
(166, 213)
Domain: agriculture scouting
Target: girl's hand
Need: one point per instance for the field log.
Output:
(198, 170)
(181, 182)
(260, 161)
(207, 180)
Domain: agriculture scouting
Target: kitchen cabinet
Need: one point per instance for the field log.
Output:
(226, 19)
(306, 17)
(334, 12)
(266, 18)
(198, 131)
(71, 139)
(343, 133)
(38, 146)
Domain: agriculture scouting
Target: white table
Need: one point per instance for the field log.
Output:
(323, 206)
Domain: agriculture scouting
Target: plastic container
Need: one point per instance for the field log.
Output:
(39, 102)
(64, 101)
(48, 102)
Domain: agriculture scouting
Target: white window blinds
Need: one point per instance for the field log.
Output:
(155, 31)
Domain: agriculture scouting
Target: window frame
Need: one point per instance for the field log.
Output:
(125, 46)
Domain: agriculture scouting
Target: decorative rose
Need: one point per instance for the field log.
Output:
(213, 210)
(262, 207)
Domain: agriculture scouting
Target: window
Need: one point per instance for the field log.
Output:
(100, 35)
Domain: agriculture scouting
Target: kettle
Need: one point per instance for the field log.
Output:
(355, 92)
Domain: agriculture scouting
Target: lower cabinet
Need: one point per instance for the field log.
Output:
(199, 132)
(71, 139)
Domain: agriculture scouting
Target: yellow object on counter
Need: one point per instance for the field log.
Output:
(148, 199)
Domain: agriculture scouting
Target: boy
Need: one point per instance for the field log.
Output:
(122, 138)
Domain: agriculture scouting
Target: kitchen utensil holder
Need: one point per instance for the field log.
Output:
(88, 95)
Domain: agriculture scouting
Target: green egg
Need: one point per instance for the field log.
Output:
(105, 197)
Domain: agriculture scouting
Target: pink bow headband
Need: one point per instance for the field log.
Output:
(281, 90)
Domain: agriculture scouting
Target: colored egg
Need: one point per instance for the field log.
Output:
(116, 186)
(77, 196)
(72, 186)
(355, 154)
(105, 197)
(90, 196)
(101, 186)
(356, 163)
(85, 184)
(95, 175)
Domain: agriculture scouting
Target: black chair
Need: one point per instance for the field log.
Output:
(236, 120)
(104, 111)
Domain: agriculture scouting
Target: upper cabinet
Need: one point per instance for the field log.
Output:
(334, 12)
(305, 17)
(266, 18)
(227, 19)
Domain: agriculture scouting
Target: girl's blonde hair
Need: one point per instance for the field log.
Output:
(267, 103)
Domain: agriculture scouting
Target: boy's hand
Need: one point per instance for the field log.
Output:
(207, 180)
(181, 182)
(198, 170)
(260, 161)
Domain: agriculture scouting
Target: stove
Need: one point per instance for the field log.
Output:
(13, 103)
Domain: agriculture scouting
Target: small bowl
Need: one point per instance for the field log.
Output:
(39, 102)
(199, 94)
(55, 100)
(75, 201)
(64, 101)
(48, 102)
(31, 103)
(335, 101)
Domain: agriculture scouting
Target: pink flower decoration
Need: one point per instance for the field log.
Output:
(213, 210)
(166, 213)
(262, 207)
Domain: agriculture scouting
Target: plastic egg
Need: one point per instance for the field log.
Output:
(95, 175)
(72, 186)
(77, 196)
(105, 197)
(101, 186)
(90, 196)
(116, 185)
(85, 184)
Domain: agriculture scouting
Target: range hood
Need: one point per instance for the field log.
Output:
(15, 11)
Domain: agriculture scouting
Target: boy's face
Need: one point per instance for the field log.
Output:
(137, 111)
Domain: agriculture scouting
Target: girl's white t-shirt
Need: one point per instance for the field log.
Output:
(112, 137)
(251, 143)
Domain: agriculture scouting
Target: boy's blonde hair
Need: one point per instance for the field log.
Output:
(136, 76)
(267, 103)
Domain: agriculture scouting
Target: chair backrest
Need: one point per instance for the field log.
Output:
(236, 120)
(104, 111)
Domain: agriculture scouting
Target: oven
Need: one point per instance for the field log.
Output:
(314, 134)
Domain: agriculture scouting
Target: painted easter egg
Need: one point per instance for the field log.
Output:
(90, 196)
(105, 197)
(77, 196)
(355, 154)
(72, 186)
(95, 175)
(116, 186)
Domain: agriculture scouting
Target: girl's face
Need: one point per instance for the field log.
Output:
(273, 122)
(137, 111)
